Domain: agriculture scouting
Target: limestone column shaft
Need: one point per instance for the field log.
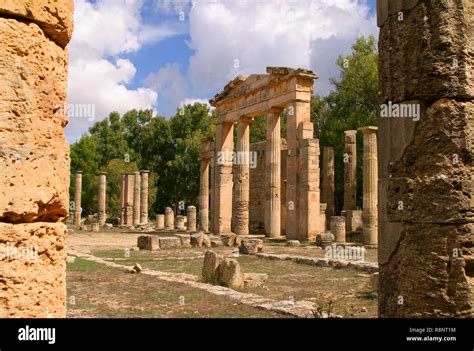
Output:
(370, 183)
(102, 197)
(273, 175)
(243, 178)
(327, 183)
(144, 197)
(350, 170)
(136, 199)
(223, 177)
(122, 200)
(204, 196)
(77, 197)
(129, 192)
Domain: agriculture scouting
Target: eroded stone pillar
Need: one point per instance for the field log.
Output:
(338, 228)
(169, 218)
(191, 218)
(122, 200)
(129, 192)
(273, 175)
(350, 170)
(426, 185)
(370, 181)
(136, 199)
(77, 197)
(144, 197)
(34, 161)
(223, 177)
(204, 196)
(102, 197)
(327, 183)
(241, 214)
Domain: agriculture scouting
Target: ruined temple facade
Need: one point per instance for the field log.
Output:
(426, 168)
(287, 172)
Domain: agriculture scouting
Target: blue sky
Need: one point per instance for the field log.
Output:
(161, 54)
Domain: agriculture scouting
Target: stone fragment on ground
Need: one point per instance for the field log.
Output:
(251, 246)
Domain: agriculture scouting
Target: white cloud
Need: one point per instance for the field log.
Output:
(271, 33)
(103, 32)
(170, 85)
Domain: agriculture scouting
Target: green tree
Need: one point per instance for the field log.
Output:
(352, 104)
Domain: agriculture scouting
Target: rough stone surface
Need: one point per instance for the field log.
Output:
(33, 71)
(148, 242)
(418, 55)
(254, 280)
(169, 218)
(179, 223)
(324, 239)
(160, 221)
(55, 18)
(229, 239)
(251, 246)
(185, 239)
(230, 275)
(170, 242)
(197, 239)
(426, 207)
(32, 283)
(209, 269)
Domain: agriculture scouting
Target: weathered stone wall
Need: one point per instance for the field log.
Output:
(426, 168)
(257, 186)
(34, 157)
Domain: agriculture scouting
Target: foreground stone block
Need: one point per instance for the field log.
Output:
(33, 270)
(170, 242)
(148, 242)
(229, 274)
(209, 269)
(251, 246)
(293, 243)
(228, 239)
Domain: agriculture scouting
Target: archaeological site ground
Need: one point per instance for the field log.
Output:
(266, 196)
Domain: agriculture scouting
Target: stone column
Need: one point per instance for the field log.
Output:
(169, 218)
(273, 175)
(136, 199)
(35, 161)
(327, 183)
(338, 228)
(102, 197)
(129, 192)
(426, 183)
(370, 193)
(204, 196)
(241, 214)
(160, 221)
(191, 216)
(350, 170)
(224, 183)
(144, 197)
(77, 197)
(122, 200)
(180, 223)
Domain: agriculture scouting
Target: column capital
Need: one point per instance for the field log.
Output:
(368, 129)
(79, 172)
(144, 171)
(102, 173)
(350, 132)
(245, 119)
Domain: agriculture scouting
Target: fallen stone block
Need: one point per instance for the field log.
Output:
(197, 239)
(185, 239)
(228, 239)
(324, 239)
(209, 268)
(95, 227)
(251, 246)
(169, 242)
(148, 242)
(216, 243)
(230, 275)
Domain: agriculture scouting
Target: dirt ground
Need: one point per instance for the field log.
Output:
(95, 290)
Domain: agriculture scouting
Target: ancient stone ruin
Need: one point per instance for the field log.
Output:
(34, 156)
(426, 168)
